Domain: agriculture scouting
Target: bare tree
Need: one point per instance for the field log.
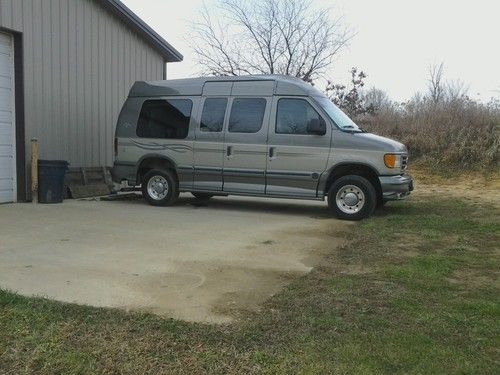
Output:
(457, 89)
(268, 37)
(435, 82)
(376, 98)
(350, 98)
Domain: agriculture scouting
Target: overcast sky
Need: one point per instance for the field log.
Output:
(395, 42)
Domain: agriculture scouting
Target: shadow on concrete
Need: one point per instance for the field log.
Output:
(314, 209)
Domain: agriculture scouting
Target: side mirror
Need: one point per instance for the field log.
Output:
(317, 126)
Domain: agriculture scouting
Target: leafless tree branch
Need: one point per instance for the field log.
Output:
(268, 37)
(435, 82)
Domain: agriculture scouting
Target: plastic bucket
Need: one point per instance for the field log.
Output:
(51, 175)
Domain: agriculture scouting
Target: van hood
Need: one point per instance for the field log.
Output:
(376, 142)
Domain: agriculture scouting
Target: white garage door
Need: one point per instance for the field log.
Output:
(7, 127)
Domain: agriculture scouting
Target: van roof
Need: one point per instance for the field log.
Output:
(262, 85)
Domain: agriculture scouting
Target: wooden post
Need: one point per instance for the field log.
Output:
(34, 170)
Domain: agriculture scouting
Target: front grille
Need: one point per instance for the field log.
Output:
(404, 162)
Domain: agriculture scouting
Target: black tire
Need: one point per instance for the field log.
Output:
(156, 199)
(203, 196)
(354, 186)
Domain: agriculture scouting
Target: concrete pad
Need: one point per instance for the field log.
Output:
(191, 262)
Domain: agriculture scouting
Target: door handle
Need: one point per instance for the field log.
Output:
(229, 151)
(272, 152)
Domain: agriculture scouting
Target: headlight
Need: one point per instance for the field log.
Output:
(392, 160)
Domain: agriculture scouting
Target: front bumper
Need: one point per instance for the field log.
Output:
(396, 187)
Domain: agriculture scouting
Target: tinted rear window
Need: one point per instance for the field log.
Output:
(165, 119)
(247, 115)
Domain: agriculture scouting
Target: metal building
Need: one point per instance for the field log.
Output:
(66, 67)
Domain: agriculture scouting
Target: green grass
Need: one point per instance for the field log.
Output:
(416, 291)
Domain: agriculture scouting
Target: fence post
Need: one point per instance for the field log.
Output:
(34, 170)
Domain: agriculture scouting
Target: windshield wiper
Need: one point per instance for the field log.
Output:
(352, 129)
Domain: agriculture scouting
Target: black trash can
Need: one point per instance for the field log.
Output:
(51, 180)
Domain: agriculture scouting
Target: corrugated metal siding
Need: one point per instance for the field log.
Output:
(79, 63)
(7, 120)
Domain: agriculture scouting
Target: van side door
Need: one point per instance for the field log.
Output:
(209, 145)
(246, 145)
(298, 147)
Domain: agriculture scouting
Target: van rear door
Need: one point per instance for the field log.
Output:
(209, 145)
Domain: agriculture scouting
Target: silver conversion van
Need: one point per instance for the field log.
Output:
(263, 136)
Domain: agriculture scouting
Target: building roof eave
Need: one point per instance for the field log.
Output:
(169, 53)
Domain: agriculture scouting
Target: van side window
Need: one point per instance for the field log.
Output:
(247, 115)
(165, 119)
(212, 118)
(294, 115)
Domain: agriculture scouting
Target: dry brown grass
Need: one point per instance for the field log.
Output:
(456, 134)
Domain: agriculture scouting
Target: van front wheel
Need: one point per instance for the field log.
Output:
(352, 198)
(160, 188)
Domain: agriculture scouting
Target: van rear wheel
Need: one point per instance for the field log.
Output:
(352, 198)
(160, 187)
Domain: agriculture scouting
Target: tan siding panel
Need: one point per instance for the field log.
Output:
(80, 62)
(64, 53)
(6, 13)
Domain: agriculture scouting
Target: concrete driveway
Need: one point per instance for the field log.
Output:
(197, 263)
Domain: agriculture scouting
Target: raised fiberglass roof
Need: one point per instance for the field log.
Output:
(240, 85)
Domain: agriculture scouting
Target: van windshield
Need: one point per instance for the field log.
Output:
(338, 117)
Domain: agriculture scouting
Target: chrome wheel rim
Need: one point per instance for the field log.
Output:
(158, 187)
(350, 199)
